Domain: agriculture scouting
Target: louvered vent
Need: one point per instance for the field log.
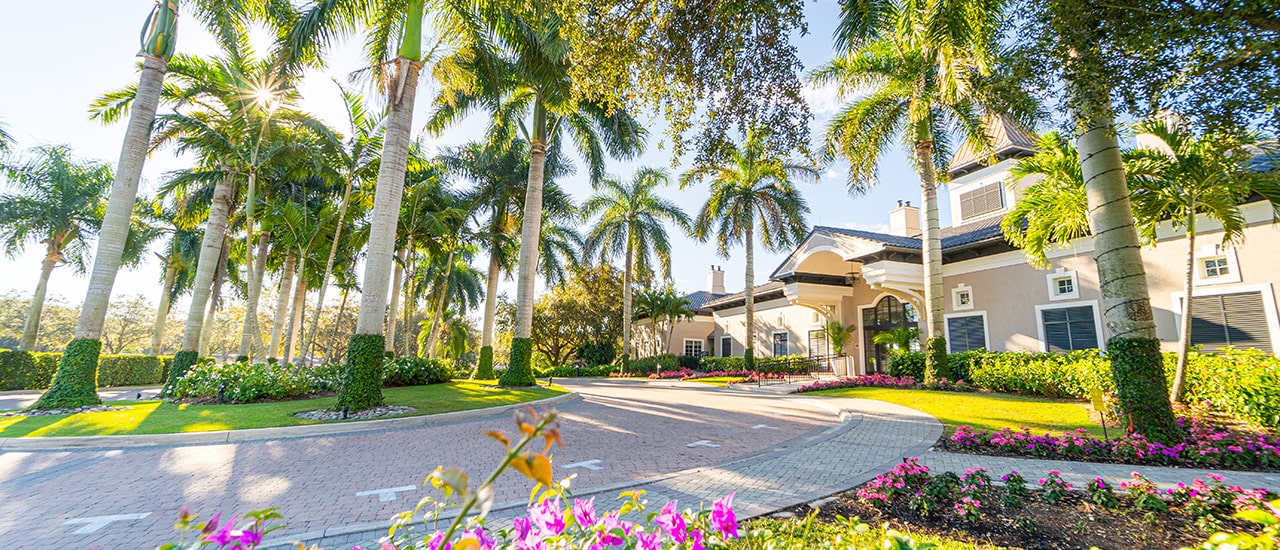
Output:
(1237, 320)
(983, 200)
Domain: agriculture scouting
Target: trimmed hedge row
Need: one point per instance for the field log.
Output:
(245, 382)
(21, 370)
(1244, 383)
(649, 365)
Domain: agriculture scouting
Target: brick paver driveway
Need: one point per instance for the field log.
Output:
(637, 431)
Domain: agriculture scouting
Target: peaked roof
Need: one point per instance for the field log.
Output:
(952, 237)
(700, 298)
(1008, 138)
(728, 300)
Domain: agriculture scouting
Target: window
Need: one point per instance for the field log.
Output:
(968, 332)
(1069, 328)
(983, 200)
(1063, 285)
(726, 346)
(693, 346)
(1216, 267)
(961, 297)
(780, 347)
(1238, 320)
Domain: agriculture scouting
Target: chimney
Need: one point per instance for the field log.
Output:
(904, 221)
(715, 281)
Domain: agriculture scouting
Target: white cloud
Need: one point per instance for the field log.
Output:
(823, 100)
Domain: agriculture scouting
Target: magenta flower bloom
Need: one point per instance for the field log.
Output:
(584, 511)
(696, 537)
(482, 538)
(250, 538)
(722, 517)
(437, 542)
(223, 537)
(548, 516)
(609, 535)
(672, 522)
(650, 541)
(211, 525)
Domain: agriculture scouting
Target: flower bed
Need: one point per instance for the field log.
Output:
(881, 380)
(1208, 444)
(1044, 512)
(673, 374)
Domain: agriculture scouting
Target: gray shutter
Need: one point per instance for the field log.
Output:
(1238, 320)
(1069, 328)
(982, 200)
(967, 333)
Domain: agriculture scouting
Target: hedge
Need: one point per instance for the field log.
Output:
(650, 365)
(21, 370)
(572, 371)
(415, 371)
(731, 363)
(1244, 383)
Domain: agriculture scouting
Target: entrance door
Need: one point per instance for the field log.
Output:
(819, 350)
(888, 314)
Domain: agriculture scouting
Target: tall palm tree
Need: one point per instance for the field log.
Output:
(178, 258)
(59, 202)
(632, 223)
(752, 189)
(516, 64)
(927, 68)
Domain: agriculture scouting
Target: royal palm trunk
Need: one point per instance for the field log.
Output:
(31, 328)
(162, 310)
(626, 300)
(282, 302)
(397, 280)
(364, 355)
(1184, 338)
(1136, 361)
(441, 303)
(931, 252)
(520, 370)
(215, 301)
(250, 334)
(485, 370)
(293, 348)
(749, 297)
(310, 335)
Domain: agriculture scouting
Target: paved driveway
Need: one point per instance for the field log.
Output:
(624, 431)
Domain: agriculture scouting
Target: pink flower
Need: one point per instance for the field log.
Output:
(482, 538)
(650, 541)
(584, 512)
(437, 542)
(672, 522)
(548, 516)
(223, 537)
(722, 517)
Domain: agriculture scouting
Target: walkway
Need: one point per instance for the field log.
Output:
(21, 399)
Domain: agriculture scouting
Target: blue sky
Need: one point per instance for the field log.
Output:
(55, 66)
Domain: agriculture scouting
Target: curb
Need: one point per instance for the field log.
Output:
(844, 420)
(260, 434)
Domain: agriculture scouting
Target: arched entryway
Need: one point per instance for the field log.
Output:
(888, 314)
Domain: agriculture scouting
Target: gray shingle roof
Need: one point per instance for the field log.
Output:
(1007, 137)
(959, 235)
(701, 297)
(760, 289)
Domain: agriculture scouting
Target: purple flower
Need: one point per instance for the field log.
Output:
(584, 512)
(722, 517)
(437, 542)
(482, 538)
(211, 525)
(548, 516)
(224, 536)
(672, 522)
(250, 538)
(609, 535)
(650, 541)
(696, 537)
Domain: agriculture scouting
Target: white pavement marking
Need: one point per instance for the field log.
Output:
(386, 495)
(98, 522)
(588, 464)
(764, 427)
(702, 443)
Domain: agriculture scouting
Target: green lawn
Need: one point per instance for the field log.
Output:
(156, 417)
(989, 411)
(717, 380)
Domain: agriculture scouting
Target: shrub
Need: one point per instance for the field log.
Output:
(935, 360)
(650, 365)
(907, 363)
(734, 363)
(519, 371)
(362, 377)
(244, 382)
(597, 353)
(129, 370)
(21, 370)
(415, 371)
(689, 361)
(572, 371)
(24, 370)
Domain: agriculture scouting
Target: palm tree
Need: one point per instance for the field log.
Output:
(837, 334)
(6, 139)
(1052, 212)
(752, 189)
(60, 204)
(900, 338)
(178, 258)
(516, 65)
(927, 68)
(631, 223)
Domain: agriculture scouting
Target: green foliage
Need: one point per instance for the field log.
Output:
(1072, 374)
(572, 371)
(688, 361)
(597, 353)
(520, 372)
(749, 359)
(837, 334)
(246, 383)
(416, 371)
(1269, 538)
(20, 370)
(1244, 383)
(650, 365)
(129, 370)
(728, 364)
(586, 308)
(485, 370)
(1141, 388)
(362, 375)
(935, 360)
(907, 363)
(76, 382)
(182, 362)
(24, 370)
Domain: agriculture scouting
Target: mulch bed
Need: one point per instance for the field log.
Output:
(1072, 523)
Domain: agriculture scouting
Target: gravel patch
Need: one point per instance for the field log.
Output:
(376, 412)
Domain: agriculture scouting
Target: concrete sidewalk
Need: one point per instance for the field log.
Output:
(21, 399)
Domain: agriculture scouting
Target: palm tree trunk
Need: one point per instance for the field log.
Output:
(931, 251)
(1136, 361)
(310, 335)
(626, 299)
(364, 355)
(282, 302)
(520, 371)
(250, 334)
(408, 289)
(31, 328)
(162, 310)
(397, 279)
(215, 299)
(295, 321)
(75, 383)
(337, 324)
(485, 370)
(1184, 340)
(748, 354)
(441, 302)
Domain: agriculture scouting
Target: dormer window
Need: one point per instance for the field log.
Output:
(1216, 266)
(983, 200)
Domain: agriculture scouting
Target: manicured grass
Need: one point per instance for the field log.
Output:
(717, 380)
(987, 411)
(156, 417)
(813, 533)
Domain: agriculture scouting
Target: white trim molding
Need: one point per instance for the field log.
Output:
(1059, 275)
(1268, 305)
(956, 302)
(1216, 251)
(1097, 321)
(986, 328)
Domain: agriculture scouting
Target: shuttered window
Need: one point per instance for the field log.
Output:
(1238, 320)
(1069, 328)
(966, 333)
(982, 200)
